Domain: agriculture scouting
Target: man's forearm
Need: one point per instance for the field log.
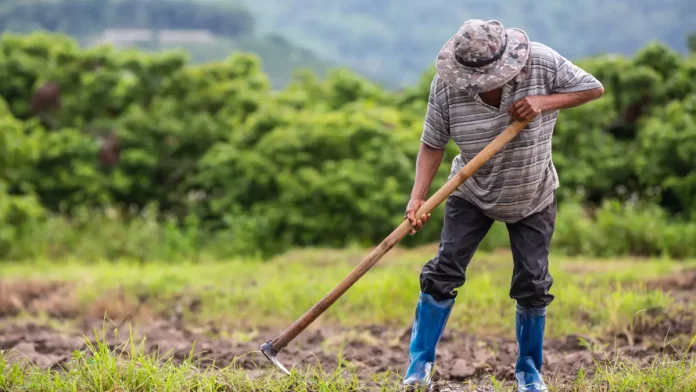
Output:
(570, 100)
(428, 162)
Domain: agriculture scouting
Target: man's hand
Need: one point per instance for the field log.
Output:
(527, 108)
(411, 209)
(531, 106)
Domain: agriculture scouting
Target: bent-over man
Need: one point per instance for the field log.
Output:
(487, 76)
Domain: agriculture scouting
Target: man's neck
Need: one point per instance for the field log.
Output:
(492, 97)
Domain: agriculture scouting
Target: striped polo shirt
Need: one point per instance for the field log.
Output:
(520, 179)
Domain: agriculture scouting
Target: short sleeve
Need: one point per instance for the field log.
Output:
(436, 131)
(569, 78)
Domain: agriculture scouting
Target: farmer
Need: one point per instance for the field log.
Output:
(486, 77)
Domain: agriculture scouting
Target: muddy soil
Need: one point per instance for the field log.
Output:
(370, 350)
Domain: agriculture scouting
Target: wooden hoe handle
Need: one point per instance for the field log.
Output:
(398, 234)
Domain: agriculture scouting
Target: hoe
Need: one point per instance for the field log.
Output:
(271, 348)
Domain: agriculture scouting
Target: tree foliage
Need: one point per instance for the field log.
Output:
(322, 162)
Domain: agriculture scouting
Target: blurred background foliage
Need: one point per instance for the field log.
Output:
(223, 147)
(129, 153)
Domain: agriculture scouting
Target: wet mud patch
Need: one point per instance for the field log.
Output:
(59, 300)
(34, 297)
(673, 326)
(682, 285)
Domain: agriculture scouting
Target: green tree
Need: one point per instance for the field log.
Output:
(322, 162)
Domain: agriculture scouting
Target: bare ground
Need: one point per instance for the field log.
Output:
(370, 350)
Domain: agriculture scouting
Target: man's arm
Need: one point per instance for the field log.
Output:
(428, 162)
(531, 106)
(571, 100)
(570, 85)
(433, 141)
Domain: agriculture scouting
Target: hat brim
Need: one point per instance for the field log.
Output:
(489, 77)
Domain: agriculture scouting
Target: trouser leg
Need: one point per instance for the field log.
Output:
(463, 230)
(530, 241)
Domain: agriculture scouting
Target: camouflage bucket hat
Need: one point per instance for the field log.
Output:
(482, 56)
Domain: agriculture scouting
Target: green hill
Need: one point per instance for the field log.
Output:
(83, 18)
(395, 40)
(209, 32)
(280, 58)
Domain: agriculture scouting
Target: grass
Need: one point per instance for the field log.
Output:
(129, 368)
(593, 298)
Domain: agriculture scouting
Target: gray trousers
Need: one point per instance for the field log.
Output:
(464, 229)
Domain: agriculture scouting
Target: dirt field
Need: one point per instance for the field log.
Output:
(370, 350)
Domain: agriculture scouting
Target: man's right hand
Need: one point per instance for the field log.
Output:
(411, 209)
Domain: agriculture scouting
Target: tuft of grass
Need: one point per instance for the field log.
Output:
(622, 375)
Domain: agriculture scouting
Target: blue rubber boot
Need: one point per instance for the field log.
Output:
(428, 325)
(530, 323)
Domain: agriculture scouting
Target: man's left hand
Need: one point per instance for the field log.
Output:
(527, 108)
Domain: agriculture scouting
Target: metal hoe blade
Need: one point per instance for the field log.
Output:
(270, 352)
